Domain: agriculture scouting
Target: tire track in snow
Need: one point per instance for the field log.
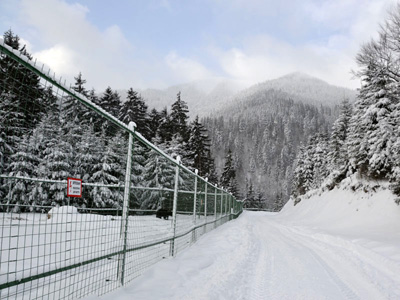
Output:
(281, 253)
(357, 275)
(262, 272)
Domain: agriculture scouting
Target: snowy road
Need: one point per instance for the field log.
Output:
(259, 257)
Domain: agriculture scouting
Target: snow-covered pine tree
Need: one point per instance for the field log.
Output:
(57, 160)
(371, 130)
(72, 108)
(165, 129)
(337, 156)
(154, 123)
(395, 152)
(311, 167)
(107, 170)
(228, 177)
(158, 173)
(179, 117)
(38, 144)
(91, 117)
(12, 127)
(135, 109)
(174, 148)
(381, 137)
(139, 155)
(199, 148)
(23, 162)
(299, 173)
(212, 173)
(249, 199)
(85, 159)
(111, 102)
(28, 91)
(319, 159)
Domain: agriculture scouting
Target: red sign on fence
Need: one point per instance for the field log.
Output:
(74, 187)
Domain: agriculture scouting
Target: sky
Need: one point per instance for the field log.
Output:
(159, 43)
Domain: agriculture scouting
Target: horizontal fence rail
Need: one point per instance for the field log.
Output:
(138, 205)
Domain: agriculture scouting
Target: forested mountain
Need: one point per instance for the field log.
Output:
(303, 88)
(264, 127)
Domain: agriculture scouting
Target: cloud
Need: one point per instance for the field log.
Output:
(265, 58)
(70, 44)
(246, 40)
(58, 58)
(345, 25)
(186, 69)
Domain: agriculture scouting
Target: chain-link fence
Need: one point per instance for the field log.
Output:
(137, 205)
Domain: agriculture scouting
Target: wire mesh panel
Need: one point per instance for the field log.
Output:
(45, 252)
(136, 205)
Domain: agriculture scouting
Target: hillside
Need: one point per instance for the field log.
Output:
(303, 88)
(355, 207)
(264, 127)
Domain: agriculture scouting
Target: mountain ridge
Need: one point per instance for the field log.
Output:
(302, 87)
(207, 97)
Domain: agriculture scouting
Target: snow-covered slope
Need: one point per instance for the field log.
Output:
(359, 209)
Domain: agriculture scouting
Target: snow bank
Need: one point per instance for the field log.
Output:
(62, 211)
(358, 210)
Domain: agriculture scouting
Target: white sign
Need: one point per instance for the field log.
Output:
(74, 187)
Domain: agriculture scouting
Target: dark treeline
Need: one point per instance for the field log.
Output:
(365, 139)
(51, 136)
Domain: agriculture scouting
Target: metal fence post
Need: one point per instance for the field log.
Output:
(205, 205)
(215, 207)
(230, 207)
(226, 203)
(194, 206)
(172, 251)
(222, 199)
(225, 199)
(125, 207)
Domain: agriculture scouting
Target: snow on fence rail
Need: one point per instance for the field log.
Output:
(59, 247)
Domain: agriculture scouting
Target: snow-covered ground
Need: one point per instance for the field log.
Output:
(335, 245)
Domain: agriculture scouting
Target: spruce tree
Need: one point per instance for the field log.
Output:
(83, 164)
(199, 148)
(106, 171)
(139, 155)
(228, 178)
(135, 109)
(57, 163)
(43, 138)
(338, 158)
(12, 127)
(22, 165)
(90, 116)
(371, 129)
(73, 109)
(23, 85)
(165, 129)
(154, 123)
(158, 173)
(179, 117)
(111, 102)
